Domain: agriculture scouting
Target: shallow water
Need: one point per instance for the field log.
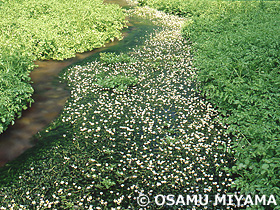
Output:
(50, 95)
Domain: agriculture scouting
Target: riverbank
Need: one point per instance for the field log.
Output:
(38, 30)
(236, 53)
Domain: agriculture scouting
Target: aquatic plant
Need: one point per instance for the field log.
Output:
(110, 58)
(118, 82)
(107, 148)
(236, 49)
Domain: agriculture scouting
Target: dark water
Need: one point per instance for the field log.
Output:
(50, 95)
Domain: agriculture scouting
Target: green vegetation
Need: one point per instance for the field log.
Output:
(237, 52)
(52, 29)
(15, 90)
(108, 146)
(119, 82)
(162, 137)
(110, 58)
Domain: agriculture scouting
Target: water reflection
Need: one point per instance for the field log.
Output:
(49, 96)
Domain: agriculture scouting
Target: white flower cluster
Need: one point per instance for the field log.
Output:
(157, 137)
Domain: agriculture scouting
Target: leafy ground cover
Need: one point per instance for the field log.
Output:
(238, 59)
(109, 144)
(54, 29)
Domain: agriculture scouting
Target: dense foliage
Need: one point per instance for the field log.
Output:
(237, 53)
(111, 58)
(15, 90)
(52, 29)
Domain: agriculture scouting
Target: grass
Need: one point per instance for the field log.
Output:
(32, 30)
(236, 49)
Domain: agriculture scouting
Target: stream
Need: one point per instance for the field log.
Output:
(50, 94)
(107, 130)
